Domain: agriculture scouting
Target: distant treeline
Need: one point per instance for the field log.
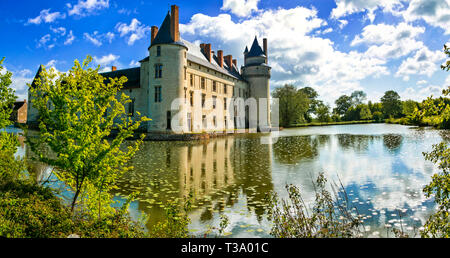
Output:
(301, 107)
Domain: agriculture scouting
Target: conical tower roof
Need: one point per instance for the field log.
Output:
(256, 49)
(164, 36)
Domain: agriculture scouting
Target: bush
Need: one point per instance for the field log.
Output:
(28, 210)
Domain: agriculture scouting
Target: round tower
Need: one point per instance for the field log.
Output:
(256, 72)
(166, 69)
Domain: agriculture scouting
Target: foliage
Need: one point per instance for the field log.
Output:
(72, 111)
(293, 104)
(28, 210)
(314, 105)
(323, 113)
(175, 223)
(7, 96)
(392, 106)
(343, 103)
(438, 225)
(328, 218)
(10, 167)
(358, 97)
(364, 113)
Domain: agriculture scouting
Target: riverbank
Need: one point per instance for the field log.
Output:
(333, 123)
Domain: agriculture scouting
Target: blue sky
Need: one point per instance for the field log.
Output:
(335, 46)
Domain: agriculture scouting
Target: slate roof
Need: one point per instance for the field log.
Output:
(133, 75)
(18, 105)
(256, 50)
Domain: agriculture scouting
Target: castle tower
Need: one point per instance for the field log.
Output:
(166, 69)
(257, 73)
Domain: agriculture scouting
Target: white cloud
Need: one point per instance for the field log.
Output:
(44, 42)
(424, 62)
(46, 16)
(241, 8)
(60, 30)
(83, 8)
(106, 60)
(134, 63)
(422, 92)
(389, 41)
(70, 38)
(135, 31)
(92, 38)
(19, 82)
(434, 12)
(342, 23)
(347, 7)
(97, 38)
(296, 54)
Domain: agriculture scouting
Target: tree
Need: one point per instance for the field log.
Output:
(323, 113)
(409, 106)
(314, 102)
(343, 103)
(358, 97)
(76, 126)
(438, 224)
(7, 96)
(365, 113)
(392, 106)
(293, 104)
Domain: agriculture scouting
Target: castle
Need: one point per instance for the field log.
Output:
(208, 83)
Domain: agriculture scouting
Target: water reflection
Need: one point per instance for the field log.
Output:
(381, 167)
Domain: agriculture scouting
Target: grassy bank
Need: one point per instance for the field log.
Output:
(333, 123)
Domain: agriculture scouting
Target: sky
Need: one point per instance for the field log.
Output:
(334, 46)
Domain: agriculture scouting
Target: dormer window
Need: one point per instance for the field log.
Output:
(158, 51)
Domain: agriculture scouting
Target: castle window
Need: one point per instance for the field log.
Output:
(214, 101)
(214, 121)
(158, 51)
(204, 126)
(185, 94)
(225, 121)
(192, 80)
(191, 96)
(203, 100)
(225, 88)
(158, 70)
(214, 86)
(131, 107)
(203, 83)
(185, 73)
(225, 104)
(158, 97)
(169, 120)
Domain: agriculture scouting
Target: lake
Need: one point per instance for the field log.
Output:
(381, 167)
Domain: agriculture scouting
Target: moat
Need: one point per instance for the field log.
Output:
(381, 167)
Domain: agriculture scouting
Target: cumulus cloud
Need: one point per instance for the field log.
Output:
(241, 8)
(70, 38)
(347, 7)
(83, 8)
(46, 16)
(434, 12)
(45, 41)
(97, 38)
(60, 30)
(19, 79)
(106, 60)
(135, 31)
(297, 55)
(424, 62)
(390, 41)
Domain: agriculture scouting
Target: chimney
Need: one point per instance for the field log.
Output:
(154, 33)
(235, 62)
(220, 57)
(174, 23)
(113, 68)
(265, 49)
(229, 60)
(208, 52)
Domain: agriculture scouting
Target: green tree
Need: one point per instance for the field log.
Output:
(293, 104)
(409, 106)
(358, 97)
(365, 113)
(7, 96)
(75, 129)
(343, 103)
(323, 113)
(314, 102)
(392, 106)
(438, 224)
